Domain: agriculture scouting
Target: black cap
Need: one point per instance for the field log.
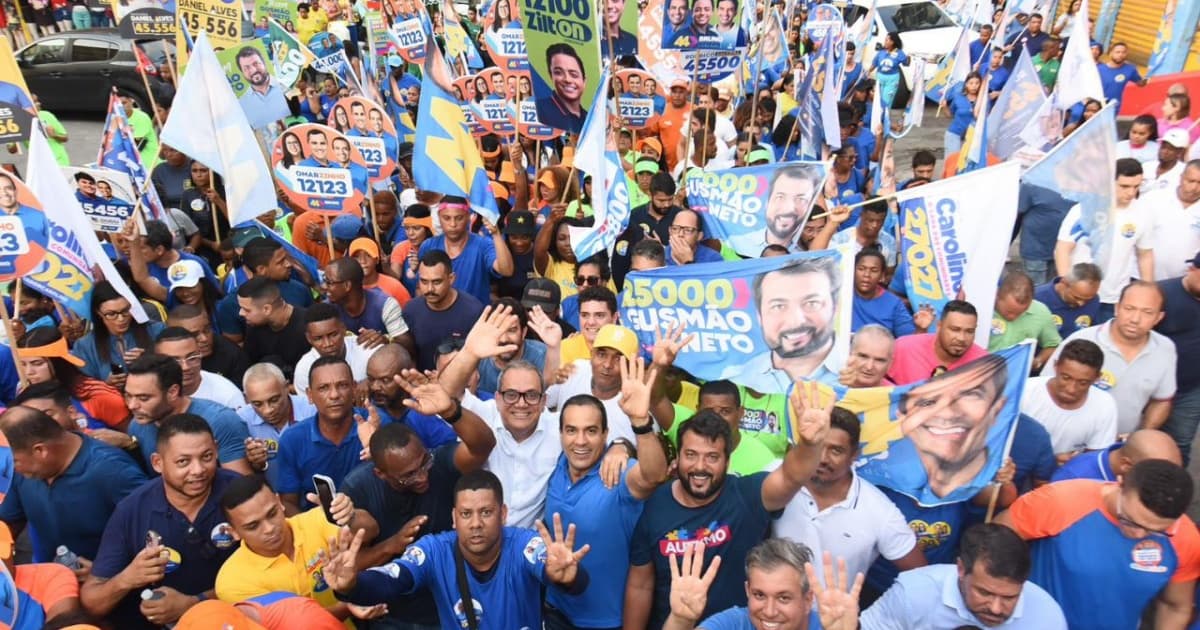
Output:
(542, 293)
(520, 223)
(406, 150)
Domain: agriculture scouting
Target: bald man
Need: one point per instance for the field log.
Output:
(870, 357)
(387, 397)
(1116, 460)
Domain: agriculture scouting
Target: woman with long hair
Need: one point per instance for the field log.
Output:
(886, 67)
(481, 89)
(293, 149)
(962, 112)
(341, 120)
(1177, 114)
(204, 202)
(44, 357)
(116, 338)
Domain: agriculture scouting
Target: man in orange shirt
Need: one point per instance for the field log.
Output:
(310, 236)
(672, 124)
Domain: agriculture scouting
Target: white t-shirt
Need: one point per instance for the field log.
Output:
(356, 356)
(219, 389)
(1146, 153)
(1167, 181)
(1176, 233)
(1134, 231)
(580, 382)
(1092, 427)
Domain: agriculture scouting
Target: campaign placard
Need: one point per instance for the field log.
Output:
(106, 196)
(320, 169)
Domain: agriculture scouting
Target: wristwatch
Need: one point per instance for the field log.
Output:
(644, 429)
(457, 415)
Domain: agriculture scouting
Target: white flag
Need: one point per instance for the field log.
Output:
(208, 124)
(1078, 77)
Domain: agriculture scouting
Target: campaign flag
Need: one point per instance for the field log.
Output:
(831, 89)
(1082, 168)
(904, 428)
(782, 318)
(949, 246)
(17, 114)
(73, 249)
(445, 158)
(1163, 43)
(119, 152)
(249, 74)
(754, 206)
(208, 125)
(1081, 77)
(766, 60)
(309, 263)
(859, 33)
(811, 116)
(458, 44)
(408, 34)
(562, 42)
(1021, 96)
(973, 154)
(145, 19)
(1043, 128)
(597, 157)
(950, 71)
(665, 63)
(289, 56)
(1106, 22)
(914, 116)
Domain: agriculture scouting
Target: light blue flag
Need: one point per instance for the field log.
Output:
(445, 157)
(1082, 168)
(973, 155)
(810, 123)
(1106, 22)
(831, 88)
(1175, 35)
(597, 157)
(950, 70)
(1021, 97)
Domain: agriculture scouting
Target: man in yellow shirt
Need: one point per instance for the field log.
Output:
(279, 554)
(310, 21)
(597, 307)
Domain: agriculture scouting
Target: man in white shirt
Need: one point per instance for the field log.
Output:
(1176, 215)
(326, 333)
(1163, 173)
(1078, 417)
(839, 512)
(1131, 246)
(600, 376)
(181, 345)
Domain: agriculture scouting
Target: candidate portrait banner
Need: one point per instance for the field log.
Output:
(371, 131)
(761, 323)
(950, 243)
(320, 169)
(282, 11)
(638, 96)
(503, 36)
(249, 73)
(564, 56)
(106, 196)
(709, 66)
(664, 63)
(755, 206)
(463, 89)
(141, 19)
(409, 34)
(492, 106)
(289, 56)
(17, 113)
(767, 57)
(943, 439)
(707, 24)
(825, 20)
(24, 229)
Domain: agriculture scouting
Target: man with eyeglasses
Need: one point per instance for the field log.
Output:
(181, 345)
(220, 355)
(409, 487)
(1107, 551)
(685, 236)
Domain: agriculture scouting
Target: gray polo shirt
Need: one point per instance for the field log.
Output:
(1133, 384)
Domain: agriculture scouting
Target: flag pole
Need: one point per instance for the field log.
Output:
(854, 205)
(328, 234)
(150, 95)
(12, 341)
(374, 223)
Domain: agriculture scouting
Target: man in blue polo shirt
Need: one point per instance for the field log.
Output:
(603, 516)
(66, 484)
(476, 259)
(1073, 299)
(169, 534)
(154, 391)
(270, 410)
(1115, 461)
(1116, 73)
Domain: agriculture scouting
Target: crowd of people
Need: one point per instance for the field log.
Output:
(448, 425)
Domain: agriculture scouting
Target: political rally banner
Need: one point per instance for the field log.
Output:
(106, 196)
(24, 230)
(943, 439)
(260, 94)
(17, 114)
(371, 131)
(704, 25)
(119, 152)
(709, 66)
(825, 23)
(761, 323)
(220, 19)
(1157, 64)
(530, 126)
(664, 63)
(463, 90)
(320, 169)
(503, 35)
(288, 55)
(949, 247)
(951, 70)
(767, 58)
(458, 44)
(408, 34)
(283, 12)
(490, 102)
(754, 206)
(618, 31)
(638, 97)
(1020, 98)
(142, 19)
(1078, 66)
(564, 57)
(597, 158)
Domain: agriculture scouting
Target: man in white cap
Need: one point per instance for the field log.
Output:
(1164, 173)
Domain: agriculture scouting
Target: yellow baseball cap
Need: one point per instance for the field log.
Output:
(618, 338)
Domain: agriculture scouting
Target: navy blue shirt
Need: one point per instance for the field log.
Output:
(227, 427)
(229, 321)
(197, 548)
(73, 510)
(885, 309)
(1067, 318)
(303, 452)
(433, 431)
(938, 529)
(371, 317)
(1041, 211)
(473, 269)
(430, 328)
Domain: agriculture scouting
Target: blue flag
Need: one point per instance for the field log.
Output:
(445, 158)
(119, 152)
(597, 157)
(812, 128)
(1021, 97)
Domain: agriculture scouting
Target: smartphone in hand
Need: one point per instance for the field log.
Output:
(325, 491)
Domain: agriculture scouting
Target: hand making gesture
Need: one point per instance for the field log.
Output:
(483, 342)
(562, 560)
(836, 605)
(810, 416)
(690, 583)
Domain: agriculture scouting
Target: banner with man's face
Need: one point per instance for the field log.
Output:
(106, 196)
(703, 24)
(24, 229)
(251, 75)
(755, 206)
(370, 130)
(320, 169)
(563, 45)
(940, 440)
(761, 323)
(141, 19)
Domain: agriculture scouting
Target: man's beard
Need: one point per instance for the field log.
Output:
(817, 338)
(783, 234)
(714, 486)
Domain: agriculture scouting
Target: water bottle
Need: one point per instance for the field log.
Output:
(66, 557)
(149, 595)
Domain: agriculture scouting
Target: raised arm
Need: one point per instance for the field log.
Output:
(476, 440)
(809, 416)
(483, 342)
(666, 349)
(651, 466)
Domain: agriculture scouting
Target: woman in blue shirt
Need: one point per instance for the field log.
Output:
(962, 111)
(886, 67)
(115, 337)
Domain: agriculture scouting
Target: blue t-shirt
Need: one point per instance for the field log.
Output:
(1179, 324)
(1089, 465)
(962, 111)
(1067, 318)
(489, 375)
(507, 596)
(885, 309)
(728, 527)
(738, 618)
(433, 431)
(227, 427)
(473, 269)
(73, 510)
(1113, 80)
(604, 518)
(704, 254)
(430, 328)
(997, 78)
(889, 62)
(160, 273)
(938, 529)
(371, 317)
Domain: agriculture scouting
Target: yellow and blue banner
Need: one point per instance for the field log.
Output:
(950, 71)
(755, 206)
(1020, 98)
(950, 248)
(289, 56)
(940, 440)
(762, 323)
(973, 154)
(445, 158)
(1162, 43)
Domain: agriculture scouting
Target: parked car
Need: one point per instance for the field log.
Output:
(926, 30)
(76, 71)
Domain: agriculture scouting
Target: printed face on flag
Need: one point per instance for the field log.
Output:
(370, 130)
(464, 89)
(106, 196)
(703, 24)
(663, 62)
(139, 19)
(563, 51)
(16, 107)
(320, 169)
(493, 105)
(251, 76)
(503, 37)
(24, 230)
